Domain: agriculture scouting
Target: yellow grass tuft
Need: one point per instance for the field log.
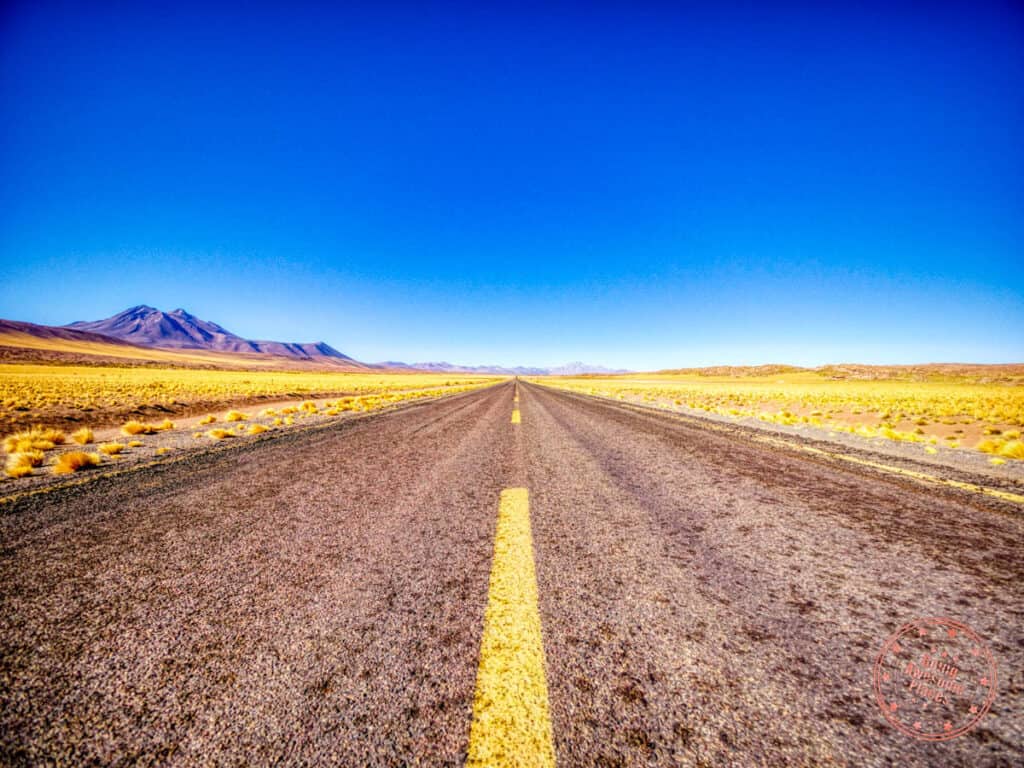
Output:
(32, 458)
(996, 461)
(83, 436)
(256, 429)
(21, 464)
(74, 461)
(929, 449)
(17, 470)
(1014, 449)
(278, 421)
(236, 416)
(138, 428)
(988, 445)
(134, 443)
(197, 435)
(220, 434)
(111, 449)
(34, 439)
(309, 406)
(289, 420)
(162, 451)
(207, 420)
(268, 412)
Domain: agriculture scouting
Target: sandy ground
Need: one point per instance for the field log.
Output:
(318, 598)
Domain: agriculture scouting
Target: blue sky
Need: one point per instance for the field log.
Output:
(642, 185)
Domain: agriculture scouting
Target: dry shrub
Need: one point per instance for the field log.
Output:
(74, 461)
(989, 446)
(1014, 449)
(236, 416)
(219, 434)
(256, 429)
(111, 449)
(83, 436)
(140, 428)
(33, 439)
(21, 464)
(14, 469)
(207, 420)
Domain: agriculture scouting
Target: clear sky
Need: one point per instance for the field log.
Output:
(641, 185)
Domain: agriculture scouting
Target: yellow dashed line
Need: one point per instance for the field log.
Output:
(511, 718)
(516, 418)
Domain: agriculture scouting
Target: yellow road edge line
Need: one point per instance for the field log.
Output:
(511, 716)
(516, 418)
(919, 476)
(922, 477)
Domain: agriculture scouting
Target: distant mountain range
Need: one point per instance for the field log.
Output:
(178, 337)
(569, 369)
(150, 327)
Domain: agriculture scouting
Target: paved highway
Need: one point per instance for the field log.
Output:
(513, 575)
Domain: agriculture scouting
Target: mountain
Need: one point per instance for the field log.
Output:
(149, 327)
(16, 331)
(569, 369)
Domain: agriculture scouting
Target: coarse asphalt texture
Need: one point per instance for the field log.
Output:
(319, 599)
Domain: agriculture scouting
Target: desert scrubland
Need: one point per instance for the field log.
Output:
(973, 408)
(61, 419)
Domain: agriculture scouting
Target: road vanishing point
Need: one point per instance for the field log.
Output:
(510, 576)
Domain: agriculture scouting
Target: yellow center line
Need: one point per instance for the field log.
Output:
(516, 418)
(511, 718)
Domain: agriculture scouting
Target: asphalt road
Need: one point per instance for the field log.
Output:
(319, 599)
